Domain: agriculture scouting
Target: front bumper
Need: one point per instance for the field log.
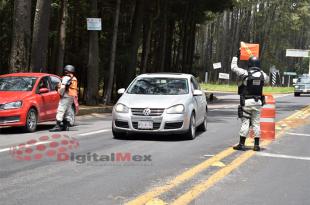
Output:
(166, 123)
(14, 117)
(302, 91)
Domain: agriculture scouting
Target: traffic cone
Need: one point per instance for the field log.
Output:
(267, 119)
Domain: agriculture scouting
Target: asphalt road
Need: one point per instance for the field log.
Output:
(203, 171)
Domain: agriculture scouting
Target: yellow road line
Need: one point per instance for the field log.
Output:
(144, 198)
(187, 175)
(199, 188)
(196, 190)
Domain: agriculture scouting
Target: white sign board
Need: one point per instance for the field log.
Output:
(224, 76)
(297, 53)
(290, 73)
(217, 65)
(94, 24)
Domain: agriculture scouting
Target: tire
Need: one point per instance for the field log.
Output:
(31, 120)
(118, 135)
(191, 133)
(296, 94)
(203, 126)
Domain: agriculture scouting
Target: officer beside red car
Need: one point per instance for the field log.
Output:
(67, 90)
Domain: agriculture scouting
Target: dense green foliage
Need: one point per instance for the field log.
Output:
(276, 25)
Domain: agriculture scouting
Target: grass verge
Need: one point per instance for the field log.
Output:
(234, 88)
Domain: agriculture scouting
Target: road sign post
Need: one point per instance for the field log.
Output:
(224, 76)
(289, 77)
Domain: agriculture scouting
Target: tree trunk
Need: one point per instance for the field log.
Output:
(113, 53)
(170, 37)
(134, 41)
(62, 37)
(40, 36)
(163, 41)
(93, 61)
(147, 35)
(21, 37)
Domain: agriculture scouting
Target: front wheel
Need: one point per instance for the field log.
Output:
(191, 133)
(296, 94)
(203, 126)
(31, 120)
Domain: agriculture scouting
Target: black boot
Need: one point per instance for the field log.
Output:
(241, 145)
(57, 127)
(65, 126)
(256, 144)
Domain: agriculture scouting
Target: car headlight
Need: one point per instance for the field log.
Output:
(177, 109)
(121, 108)
(12, 105)
(297, 86)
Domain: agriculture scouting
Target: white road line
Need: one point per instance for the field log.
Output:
(284, 95)
(263, 154)
(95, 132)
(5, 150)
(27, 145)
(46, 142)
(298, 134)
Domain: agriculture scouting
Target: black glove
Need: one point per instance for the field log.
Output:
(240, 112)
(238, 54)
(263, 100)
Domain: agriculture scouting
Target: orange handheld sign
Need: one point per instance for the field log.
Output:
(248, 50)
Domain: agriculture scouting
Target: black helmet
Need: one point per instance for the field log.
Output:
(253, 62)
(69, 68)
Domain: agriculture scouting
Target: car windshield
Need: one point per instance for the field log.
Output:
(159, 86)
(303, 80)
(17, 83)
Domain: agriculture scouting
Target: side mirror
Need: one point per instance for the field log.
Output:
(121, 91)
(197, 93)
(43, 90)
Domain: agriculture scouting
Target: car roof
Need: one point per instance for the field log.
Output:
(38, 75)
(168, 75)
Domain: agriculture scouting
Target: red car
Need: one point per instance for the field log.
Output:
(27, 99)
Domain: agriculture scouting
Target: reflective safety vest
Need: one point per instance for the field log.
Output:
(72, 87)
(254, 85)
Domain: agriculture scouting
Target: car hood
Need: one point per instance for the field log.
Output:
(9, 96)
(151, 101)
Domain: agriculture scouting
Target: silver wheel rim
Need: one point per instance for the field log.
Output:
(32, 120)
(193, 127)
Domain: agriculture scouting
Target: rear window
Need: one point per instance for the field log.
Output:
(17, 83)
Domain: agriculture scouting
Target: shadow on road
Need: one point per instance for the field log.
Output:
(157, 137)
(19, 130)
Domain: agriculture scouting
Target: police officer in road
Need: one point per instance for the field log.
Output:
(251, 99)
(67, 90)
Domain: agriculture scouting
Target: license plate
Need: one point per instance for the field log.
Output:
(145, 125)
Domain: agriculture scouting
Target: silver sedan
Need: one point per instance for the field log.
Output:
(160, 103)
